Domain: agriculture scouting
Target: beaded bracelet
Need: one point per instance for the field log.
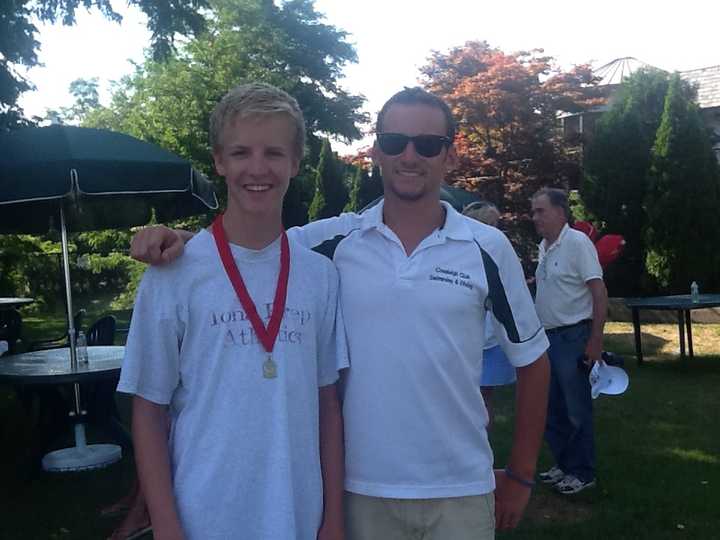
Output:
(518, 479)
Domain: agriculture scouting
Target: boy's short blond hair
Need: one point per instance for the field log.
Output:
(256, 100)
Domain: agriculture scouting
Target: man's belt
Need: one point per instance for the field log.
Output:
(568, 326)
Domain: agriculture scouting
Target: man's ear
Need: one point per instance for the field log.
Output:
(451, 158)
(295, 168)
(217, 159)
(373, 153)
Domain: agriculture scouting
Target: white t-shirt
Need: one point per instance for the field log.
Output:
(414, 416)
(564, 268)
(244, 449)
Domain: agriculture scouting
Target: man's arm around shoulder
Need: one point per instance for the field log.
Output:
(158, 244)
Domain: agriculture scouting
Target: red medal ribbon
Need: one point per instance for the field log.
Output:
(268, 335)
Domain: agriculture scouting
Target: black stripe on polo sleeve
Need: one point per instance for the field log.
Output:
(497, 300)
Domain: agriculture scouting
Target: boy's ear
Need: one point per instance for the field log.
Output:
(295, 167)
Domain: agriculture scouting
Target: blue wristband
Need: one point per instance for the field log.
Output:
(512, 476)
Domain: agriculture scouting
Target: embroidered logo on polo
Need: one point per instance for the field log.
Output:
(237, 330)
(452, 277)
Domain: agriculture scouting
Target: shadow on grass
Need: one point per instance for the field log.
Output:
(658, 460)
(624, 343)
(63, 506)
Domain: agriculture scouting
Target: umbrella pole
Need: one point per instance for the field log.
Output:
(68, 303)
(82, 456)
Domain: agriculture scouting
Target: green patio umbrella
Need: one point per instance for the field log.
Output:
(81, 179)
(100, 178)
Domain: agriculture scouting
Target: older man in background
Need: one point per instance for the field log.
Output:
(571, 301)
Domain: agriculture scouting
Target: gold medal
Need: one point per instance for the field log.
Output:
(269, 368)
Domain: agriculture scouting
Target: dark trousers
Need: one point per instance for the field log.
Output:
(569, 428)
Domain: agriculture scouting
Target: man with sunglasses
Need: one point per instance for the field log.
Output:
(417, 280)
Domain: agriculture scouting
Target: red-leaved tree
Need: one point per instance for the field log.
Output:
(509, 141)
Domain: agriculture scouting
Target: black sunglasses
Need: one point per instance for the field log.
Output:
(427, 146)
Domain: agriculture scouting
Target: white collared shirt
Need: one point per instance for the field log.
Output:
(414, 416)
(563, 271)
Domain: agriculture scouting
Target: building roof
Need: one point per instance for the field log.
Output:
(616, 70)
(707, 81)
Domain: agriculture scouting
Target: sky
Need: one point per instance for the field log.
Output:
(393, 38)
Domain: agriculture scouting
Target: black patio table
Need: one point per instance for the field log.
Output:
(52, 366)
(682, 303)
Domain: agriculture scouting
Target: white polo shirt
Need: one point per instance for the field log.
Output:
(414, 416)
(561, 276)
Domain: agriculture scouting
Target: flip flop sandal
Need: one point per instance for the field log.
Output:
(134, 535)
(114, 510)
(139, 533)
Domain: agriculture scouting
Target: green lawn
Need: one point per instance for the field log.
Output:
(37, 505)
(38, 324)
(658, 457)
(658, 449)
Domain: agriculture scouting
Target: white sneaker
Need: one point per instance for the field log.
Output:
(553, 476)
(571, 485)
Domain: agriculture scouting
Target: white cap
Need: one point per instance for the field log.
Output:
(3, 347)
(606, 379)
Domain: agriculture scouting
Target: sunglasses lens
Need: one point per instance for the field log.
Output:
(428, 145)
(392, 144)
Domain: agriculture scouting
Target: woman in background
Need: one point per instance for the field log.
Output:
(496, 369)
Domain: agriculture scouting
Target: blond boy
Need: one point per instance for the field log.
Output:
(254, 446)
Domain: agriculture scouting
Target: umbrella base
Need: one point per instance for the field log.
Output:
(82, 456)
(93, 456)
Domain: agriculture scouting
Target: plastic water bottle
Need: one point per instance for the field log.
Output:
(694, 292)
(81, 349)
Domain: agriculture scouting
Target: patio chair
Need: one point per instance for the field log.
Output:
(60, 341)
(102, 331)
(10, 329)
(45, 403)
(100, 396)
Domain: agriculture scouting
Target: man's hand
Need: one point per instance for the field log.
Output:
(593, 352)
(511, 498)
(157, 245)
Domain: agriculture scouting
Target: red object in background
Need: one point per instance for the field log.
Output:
(609, 248)
(588, 228)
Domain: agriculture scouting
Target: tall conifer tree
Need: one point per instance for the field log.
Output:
(616, 167)
(683, 197)
(353, 200)
(330, 191)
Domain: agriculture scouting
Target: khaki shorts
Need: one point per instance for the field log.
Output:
(452, 518)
